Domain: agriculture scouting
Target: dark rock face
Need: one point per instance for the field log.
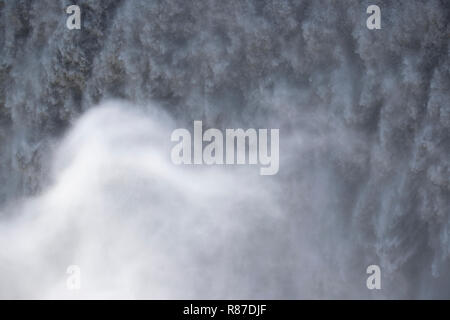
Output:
(372, 107)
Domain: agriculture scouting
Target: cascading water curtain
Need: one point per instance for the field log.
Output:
(88, 187)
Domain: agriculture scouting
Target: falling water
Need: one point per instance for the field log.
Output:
(86, 176)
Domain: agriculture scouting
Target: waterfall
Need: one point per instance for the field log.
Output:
(85, 170)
